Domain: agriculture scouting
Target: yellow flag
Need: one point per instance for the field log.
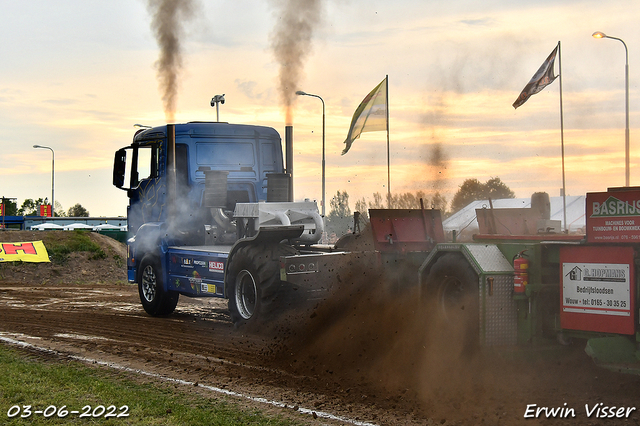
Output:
(26, 252)
(370, 116)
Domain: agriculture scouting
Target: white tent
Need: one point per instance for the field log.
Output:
(45, 226)
(107, 227)
(465, 220)
(74, 226)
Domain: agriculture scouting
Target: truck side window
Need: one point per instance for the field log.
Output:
(146, 164)
(268, 159)
(182, 166)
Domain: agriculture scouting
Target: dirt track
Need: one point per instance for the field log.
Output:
(368, 363)
(199, 344)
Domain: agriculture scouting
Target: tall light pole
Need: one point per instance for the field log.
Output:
(301, 93)
(53, 162)
(600, 34)
(217, 100)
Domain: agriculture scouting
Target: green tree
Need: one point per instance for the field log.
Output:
(361, 207)
(30, 207)
(377, 202)
(497, 189)
(78, 211)
(58, 210)
(10, 207)
(339, 220)
(340, 205)
(438, 201)
(474, 190)
(408, 200)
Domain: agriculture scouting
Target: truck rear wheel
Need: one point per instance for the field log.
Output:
(453, 295)
(155, 300)
(253, 283)
(246, 294)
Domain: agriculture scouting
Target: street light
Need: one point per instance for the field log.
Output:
(600, 34)
(217, 100)
(53, 159)
(301, 93)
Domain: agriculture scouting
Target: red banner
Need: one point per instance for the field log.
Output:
(45, 210)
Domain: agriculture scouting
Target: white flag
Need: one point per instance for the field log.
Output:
(370, 116)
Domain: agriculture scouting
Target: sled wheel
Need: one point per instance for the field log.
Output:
(453, 293)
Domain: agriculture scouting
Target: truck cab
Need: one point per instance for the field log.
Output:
(210, 209)
(245, 154)
(184, 182)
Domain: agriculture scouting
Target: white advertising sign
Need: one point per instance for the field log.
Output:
(596, 288)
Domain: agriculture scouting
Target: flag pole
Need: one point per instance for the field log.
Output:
(388, 161)
(564, 186)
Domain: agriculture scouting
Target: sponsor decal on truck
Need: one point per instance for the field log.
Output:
(215, 266)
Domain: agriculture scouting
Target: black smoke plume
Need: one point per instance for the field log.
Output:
(437, 157)
(169, 17)
(296, 21)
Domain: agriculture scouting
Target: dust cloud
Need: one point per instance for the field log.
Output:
(169, 17)
(378, 336)
(291, 42)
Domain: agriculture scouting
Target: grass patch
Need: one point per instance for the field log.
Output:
(120, 262)
(79, 241)
(29, 381)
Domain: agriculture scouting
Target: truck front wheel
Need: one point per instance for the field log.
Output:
(155, 300)
(253, 283)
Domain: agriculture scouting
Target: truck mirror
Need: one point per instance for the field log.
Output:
(119, 168)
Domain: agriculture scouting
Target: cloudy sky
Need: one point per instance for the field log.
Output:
(76, 75)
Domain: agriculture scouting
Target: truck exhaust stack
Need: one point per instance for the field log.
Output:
(288, 141)
(280, 185)
(172, 186)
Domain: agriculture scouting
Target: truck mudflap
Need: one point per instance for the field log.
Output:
(498, 312)
(318, 276)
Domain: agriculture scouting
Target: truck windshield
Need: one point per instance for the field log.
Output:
(225, 154)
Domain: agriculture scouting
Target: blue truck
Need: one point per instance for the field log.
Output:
(210, 214)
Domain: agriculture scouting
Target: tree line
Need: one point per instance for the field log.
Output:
(31, 207)
(340, 220)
